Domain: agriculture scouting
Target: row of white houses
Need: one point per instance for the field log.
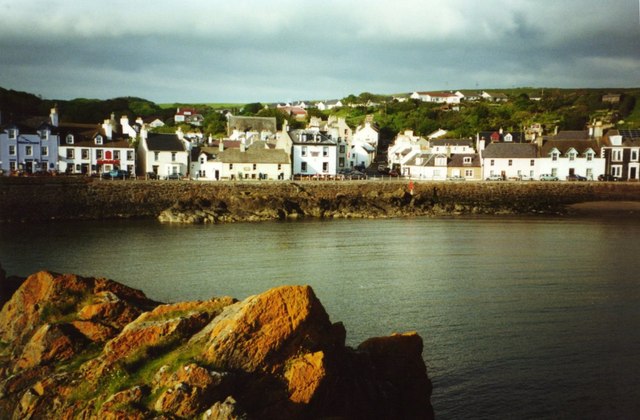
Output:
(255, 150)
(563, 155)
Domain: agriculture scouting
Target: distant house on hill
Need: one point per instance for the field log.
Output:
(437, 97)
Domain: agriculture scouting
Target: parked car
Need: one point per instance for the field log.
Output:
(608, 177)
(119, 174)
(495, 178)
(576, 177)
(152, 175)
(524, 178)
(174, 176)
(548, 177)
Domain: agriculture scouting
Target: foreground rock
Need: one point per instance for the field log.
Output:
(75, 347)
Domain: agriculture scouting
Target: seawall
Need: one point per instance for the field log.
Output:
(63, 198)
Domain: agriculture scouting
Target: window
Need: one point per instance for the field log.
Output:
(173, 156)
(325, 151)
(342, 148)
(98, 153)
(156, 156)
(98, 139)
(554, 156)
(468, 173)
(466, 160)
(572, 156)
(341, 162)
(85, 153)
(70, 153)
(510, 162)
(634, 155)
(44, 135)
(493, 162)
(13, 134)
(554, 172)
(28, 150)
(13, 165)
(589, 156)
(532, 162)
(69, 139)
(325, 166)
(616, 170)
(616, 155)
(44, 151)
(116, 154)
(12, 150)
(230, 166)
(201, 161)
(303, 151)
(255, 166)
(129, 154)
(589, 173)
(303, 166)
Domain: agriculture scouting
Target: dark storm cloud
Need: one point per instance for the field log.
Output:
(250, 50)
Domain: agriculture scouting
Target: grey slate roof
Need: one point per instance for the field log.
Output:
(563, 146)
(252, 124)
(164, 143)
(510, 151)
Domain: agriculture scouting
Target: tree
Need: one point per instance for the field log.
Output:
(251, 109)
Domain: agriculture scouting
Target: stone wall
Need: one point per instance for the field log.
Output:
(57, 198)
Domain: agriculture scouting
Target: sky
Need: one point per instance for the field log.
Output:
(239, 51)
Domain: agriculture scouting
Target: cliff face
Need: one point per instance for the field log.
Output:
(92, 348)
(25, 199)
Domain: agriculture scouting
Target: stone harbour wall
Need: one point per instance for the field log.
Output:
(62, 198)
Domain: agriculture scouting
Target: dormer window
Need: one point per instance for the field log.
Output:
(554, 156)
(508, 137)
(69, 139)
(98, 139)
(589, 156)
(44, 135)
(466, 160)
(13, 134)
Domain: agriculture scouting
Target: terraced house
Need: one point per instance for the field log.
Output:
(30, 147)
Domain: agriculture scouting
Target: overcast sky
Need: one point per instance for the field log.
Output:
(278, 50)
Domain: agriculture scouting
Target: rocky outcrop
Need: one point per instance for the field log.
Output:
(92, 348)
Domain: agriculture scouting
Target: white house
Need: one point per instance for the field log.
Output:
(427, 166)
(360, 154)
(255, 162)
(569, 153)
(437, 97)
(510, 160)
(405, 146)
(327, 105)
(451, 146)
(94, 149)
(314, 153)
(163, 154)
(367, 133)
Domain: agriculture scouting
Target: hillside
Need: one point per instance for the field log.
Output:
(566, 109)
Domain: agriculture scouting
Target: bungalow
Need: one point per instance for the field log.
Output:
(494, 97)
(509, 160)
(163, 154)
(437, 97)
(255, 162)
(571, 153)
(327, 105)
(30, 148)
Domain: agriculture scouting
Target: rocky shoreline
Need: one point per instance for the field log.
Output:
(46, 199)
(92, 348)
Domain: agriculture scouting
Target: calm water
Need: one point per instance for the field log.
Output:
(521, 317)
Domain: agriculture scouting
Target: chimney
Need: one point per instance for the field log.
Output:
(243, 146)
(180, 134)
(108, 129)
(53, 116)
(221, 145)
